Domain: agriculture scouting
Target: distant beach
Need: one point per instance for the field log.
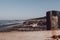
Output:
(5, 24)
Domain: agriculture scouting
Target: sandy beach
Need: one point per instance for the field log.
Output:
(31, 35)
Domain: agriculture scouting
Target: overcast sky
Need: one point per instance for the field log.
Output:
(25, 9)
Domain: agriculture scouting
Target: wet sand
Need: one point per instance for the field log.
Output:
(31, 35)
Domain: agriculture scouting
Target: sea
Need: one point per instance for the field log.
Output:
(6, 24)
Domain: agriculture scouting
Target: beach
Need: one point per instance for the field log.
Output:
(28, 35)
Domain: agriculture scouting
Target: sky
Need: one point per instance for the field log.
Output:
(26, 9)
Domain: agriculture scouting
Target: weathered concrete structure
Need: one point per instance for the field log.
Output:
(53, 20)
